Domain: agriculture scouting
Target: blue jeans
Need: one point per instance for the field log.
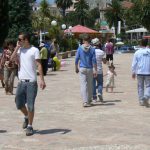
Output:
(97, 83)
(26, 93)
(143, 86)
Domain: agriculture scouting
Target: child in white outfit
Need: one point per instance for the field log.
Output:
(110, 78)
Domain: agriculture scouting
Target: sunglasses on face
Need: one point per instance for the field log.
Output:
(20, 39)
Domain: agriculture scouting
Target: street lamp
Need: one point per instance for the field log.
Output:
(63, 26)
(54, 23)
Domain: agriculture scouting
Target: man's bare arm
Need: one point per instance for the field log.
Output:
(42, 82)
(14, 54)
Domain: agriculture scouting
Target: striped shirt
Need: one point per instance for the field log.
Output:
(141, 61)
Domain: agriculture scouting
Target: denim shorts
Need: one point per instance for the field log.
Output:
(26, 94)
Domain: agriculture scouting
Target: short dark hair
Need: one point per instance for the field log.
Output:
(144, 42)
(8, 42)
(86, 37)
(26, 36)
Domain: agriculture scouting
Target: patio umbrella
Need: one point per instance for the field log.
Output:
(78, 29)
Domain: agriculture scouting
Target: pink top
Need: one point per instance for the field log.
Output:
(109, 48)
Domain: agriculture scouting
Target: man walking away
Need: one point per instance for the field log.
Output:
(86, 61)
(141, 69)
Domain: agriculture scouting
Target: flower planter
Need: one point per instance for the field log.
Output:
(69, 53)
(63, 55)
(73, 52)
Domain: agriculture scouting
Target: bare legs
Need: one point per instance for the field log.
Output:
(29, 114)
(111, 89)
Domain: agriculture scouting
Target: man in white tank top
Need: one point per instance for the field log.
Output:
(29, 60)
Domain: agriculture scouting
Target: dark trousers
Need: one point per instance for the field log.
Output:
(44, 66)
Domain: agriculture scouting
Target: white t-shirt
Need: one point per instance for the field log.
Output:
(99, 56)
(27, 57)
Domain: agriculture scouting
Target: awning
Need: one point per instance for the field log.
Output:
(146, 37)
(138, 30)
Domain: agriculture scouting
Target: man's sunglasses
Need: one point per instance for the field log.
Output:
(20, 39)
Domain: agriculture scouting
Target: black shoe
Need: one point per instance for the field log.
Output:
(29, 131)
(25, 124)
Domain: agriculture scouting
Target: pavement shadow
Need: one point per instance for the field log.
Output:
(116, 92)
(51, 74)
(62, 70)
(112, 101)
(103, 104)
(3, 131)
(52, 131)
(106, 103)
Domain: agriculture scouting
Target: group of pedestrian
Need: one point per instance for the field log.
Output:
(88, 63)
(48, 51)
(24, 58)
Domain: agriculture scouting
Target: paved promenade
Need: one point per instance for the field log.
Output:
(61, 123)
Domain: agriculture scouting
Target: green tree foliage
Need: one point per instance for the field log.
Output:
(114, 14)
(91, 15)
(95, 13)
(44, 9)
(41, 18)
(145, 15)
(139, 14)
(63, 4)
(71, 19)
(3, 20)
(81, 11)
(19, 17)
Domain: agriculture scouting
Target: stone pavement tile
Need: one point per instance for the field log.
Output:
(61, 123)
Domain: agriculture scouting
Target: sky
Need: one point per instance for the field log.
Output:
(50, 1)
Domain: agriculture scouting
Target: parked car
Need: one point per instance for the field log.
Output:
(136, 47)
(126, 49)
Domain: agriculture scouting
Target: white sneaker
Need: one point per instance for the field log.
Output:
(141, 103)
(86, 104)
(94, 101)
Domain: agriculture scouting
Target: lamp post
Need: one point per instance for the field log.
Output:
(63, 46)
(70, 35)
(57, 31)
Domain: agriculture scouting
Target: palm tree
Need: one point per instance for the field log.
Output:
(63, 4)
(44, 9)
(41, 19)
(81, 9)
(114, 14)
